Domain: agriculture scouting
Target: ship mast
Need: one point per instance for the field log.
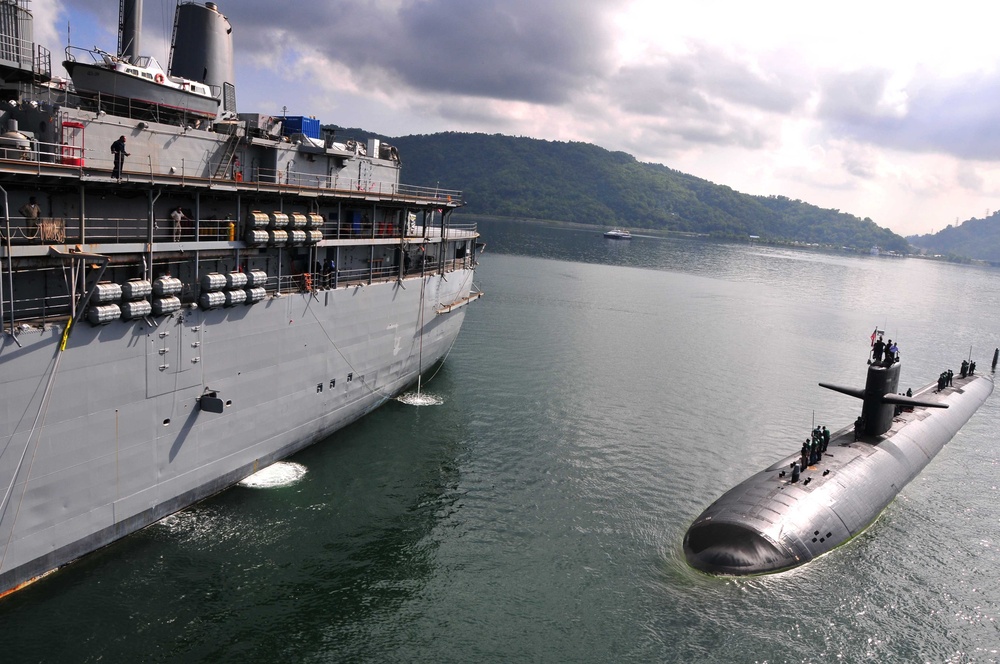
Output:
(129, 29)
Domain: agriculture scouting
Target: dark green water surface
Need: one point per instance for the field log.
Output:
(600, 396)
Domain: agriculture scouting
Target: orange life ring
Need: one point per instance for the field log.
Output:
(158, 78)
(309, 281)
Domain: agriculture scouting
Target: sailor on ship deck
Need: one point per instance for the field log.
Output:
(179, 218)
(877, 349)
(118, 150)
(30, 211)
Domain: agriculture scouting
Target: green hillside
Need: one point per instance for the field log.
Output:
(583, 183)
(973, 238)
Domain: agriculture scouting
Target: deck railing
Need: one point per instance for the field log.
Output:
(56, 305)
(33, 156)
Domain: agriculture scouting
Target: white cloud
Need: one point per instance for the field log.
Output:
(882, 110)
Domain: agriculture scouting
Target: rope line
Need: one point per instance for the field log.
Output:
(371, 388)
(43, 407)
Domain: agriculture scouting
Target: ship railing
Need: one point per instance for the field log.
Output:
(32, 151)
(116, 229)
(94, 55)
(443, 195)
(38, 307)
(305, 281)
(462, 230)
(376, 270)
(33, 155)
(451, 231)
(352, 276)
(351, 229)
(307, 180)
(22, 230)
(16, 51)
(57, 306)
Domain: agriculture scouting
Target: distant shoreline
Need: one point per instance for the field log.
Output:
(577, 225)
(791, 244)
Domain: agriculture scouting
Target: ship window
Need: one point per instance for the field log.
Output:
(333, 381)
(350, 377)
(229, 402)
(166, 422)
(319, 388)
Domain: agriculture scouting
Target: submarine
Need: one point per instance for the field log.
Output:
(782, 517)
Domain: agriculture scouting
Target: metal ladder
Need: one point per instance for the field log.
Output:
(229, 151)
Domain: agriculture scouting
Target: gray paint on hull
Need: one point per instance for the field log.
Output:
(104, 462)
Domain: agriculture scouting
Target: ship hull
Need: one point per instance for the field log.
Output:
(770, 523)
(108, 436)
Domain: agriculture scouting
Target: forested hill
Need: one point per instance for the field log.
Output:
(583, 183)
(973, 238)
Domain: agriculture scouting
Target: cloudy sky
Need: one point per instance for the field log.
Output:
(887, 110)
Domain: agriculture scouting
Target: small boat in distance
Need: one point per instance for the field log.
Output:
(618, 234)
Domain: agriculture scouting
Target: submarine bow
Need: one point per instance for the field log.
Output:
(732, 548)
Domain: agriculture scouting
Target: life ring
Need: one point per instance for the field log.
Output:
(158, 78)
(308, 281)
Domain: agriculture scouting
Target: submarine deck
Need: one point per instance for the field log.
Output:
(769, 523)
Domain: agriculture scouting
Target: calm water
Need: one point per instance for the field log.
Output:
(599, 398)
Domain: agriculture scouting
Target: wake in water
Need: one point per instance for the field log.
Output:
(281, 473)
(420, 399)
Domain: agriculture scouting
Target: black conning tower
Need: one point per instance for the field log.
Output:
(879, 397)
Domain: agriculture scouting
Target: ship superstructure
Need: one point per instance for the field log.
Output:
(242, 286)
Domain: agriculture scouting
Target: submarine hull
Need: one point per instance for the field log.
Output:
(769, 524)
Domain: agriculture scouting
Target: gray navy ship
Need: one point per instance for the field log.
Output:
(236, 288)
(787, 515)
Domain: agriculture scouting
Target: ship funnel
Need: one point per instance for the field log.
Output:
(202, 49)
(129, 29)
(17, 48)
